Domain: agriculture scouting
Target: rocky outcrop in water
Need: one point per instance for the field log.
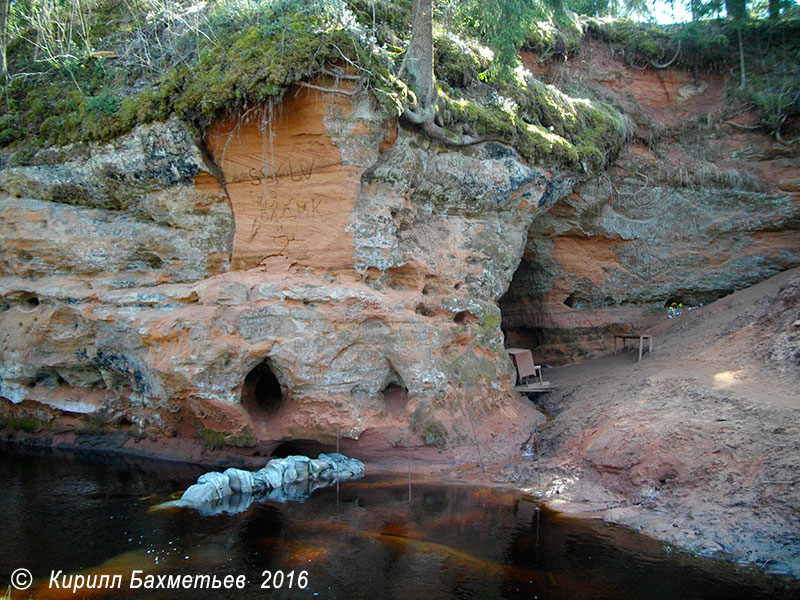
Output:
(282, 479)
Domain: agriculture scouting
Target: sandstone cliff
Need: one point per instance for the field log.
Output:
(305, 272)
(701, 203)
(308, 268)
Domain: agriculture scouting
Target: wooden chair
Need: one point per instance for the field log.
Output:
(523, 359)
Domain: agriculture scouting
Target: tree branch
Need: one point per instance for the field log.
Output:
(339, 73)
(784, 142)
(740, 126)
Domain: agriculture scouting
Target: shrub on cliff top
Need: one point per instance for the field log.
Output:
(770, 50)
(200, 61)
(194, 61)
(64, 83)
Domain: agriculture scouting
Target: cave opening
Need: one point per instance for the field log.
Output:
(262, 392)
(572, 300)
(524, 337)
(521, 310)
(395, 396)
(696, 297)
(302, 447)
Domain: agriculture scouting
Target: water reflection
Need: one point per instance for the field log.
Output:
(238, 502)
(362, 539)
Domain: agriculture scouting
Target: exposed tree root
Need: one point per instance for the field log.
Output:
(672, 60)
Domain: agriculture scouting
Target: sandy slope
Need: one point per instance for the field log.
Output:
(698, 444)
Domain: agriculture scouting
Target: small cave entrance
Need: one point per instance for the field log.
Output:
(395, 397)
(262, 393)
(524, 337)
(521, 309)
(696, 297)
(310, 448)
(573, 301)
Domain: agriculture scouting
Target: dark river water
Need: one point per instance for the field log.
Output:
(91, 515)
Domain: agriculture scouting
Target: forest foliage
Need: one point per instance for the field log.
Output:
(90, 70)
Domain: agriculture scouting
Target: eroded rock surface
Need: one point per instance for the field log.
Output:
(122, 215)
(693, 209)
(332, 276)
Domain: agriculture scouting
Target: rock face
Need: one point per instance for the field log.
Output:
(319, 273)
(311, 271)
(693, 209)
(118, 216)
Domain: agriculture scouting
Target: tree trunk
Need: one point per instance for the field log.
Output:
(4, 5)
(743, 80)
(774, 9)
(736, 9)
(418, 63)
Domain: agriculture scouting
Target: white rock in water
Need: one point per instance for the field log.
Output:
(290, 474)
(278, 464)
(240, 481)
(342, 465)
(219, 481)
(300, 464)
(317, 467)
(270, 476)
(199, 493)
(290, 478)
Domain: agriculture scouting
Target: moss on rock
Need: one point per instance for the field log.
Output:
(239, 57)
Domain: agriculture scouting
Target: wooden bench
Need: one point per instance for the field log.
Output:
(635, 336)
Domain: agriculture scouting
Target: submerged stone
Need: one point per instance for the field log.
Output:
(240, 481)
(290, 478)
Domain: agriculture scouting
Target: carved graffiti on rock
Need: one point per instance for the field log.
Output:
(292, 196)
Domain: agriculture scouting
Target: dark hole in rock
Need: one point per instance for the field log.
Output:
(573, 300)
(524, 337)
(311, 448)
(49, 379)
(396, 397)
(24, 300)
(695, 297)
(262, 391)
(460, 316)
(149, 260)
(673, 300)
(90, 377)
(423, 310)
